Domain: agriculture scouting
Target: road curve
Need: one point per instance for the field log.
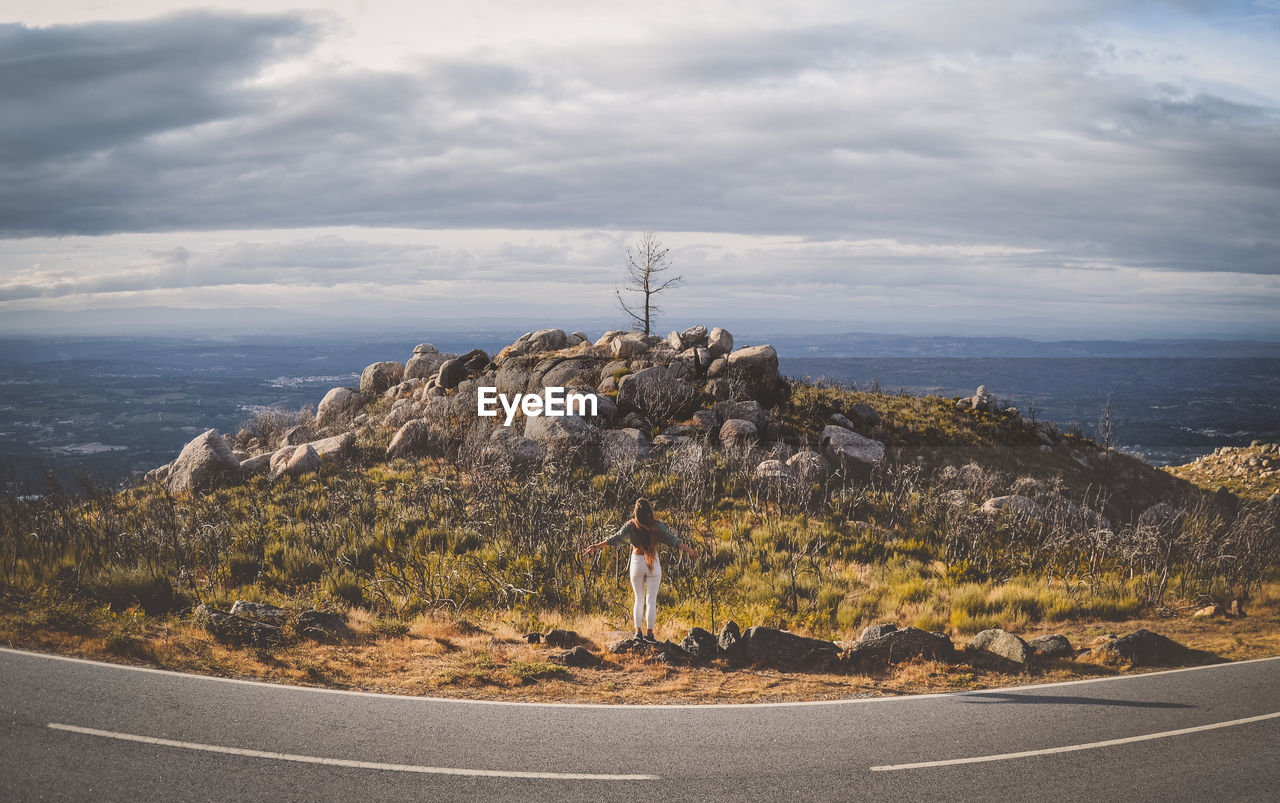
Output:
(78, 730)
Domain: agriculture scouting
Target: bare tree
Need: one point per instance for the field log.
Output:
(647, 264)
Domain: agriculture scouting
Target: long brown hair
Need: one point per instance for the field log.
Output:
(648, 526)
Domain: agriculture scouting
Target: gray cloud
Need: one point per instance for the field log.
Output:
(1012, 125)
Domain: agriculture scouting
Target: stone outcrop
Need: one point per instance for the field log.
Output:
(757, 368)
(783, 650)
(294, 461)
(204, 463)
(1052, 646)
(260, 611)
(411, 440)
(1004, 644)
(888, 644)
(576, 657)
(339, 406)
(322, 626)
(1141, 648)
(737, 433)
(849, 450)
(380, 376)
(1023, 507)
(238, 631)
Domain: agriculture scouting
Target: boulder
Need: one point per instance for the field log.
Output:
(850, 451)
(204, 463)
(738, 433)
(674, 341)
(809, 466)
(840, 420)
(877, 631)
(1004, 644)
(339, 406)
(628, 346)
(424, 365)
(730, 639)
(260, 611)
(576, 372)
(334, 447)
(719, 342)
(558, 637)
(656, 392)
(1052, 646)
(780, 649)
(757, 368)
(626, 445)
(982, 401)
(411, 440)
(693, 337)
(897, 645)
(451, 373)
(864, 415)
(1023, 507)
(238, 631)
(425, 348)
(294, 461)
(1141, 648)
(547, 340)
(296, 436)
(321, 626)
(577, 657)
(258, 464)
(568, 437)
(380, 376)
(161, 473)
(701, 644)
(749, 410)
(774, 472)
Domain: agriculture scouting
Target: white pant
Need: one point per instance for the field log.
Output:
(644, 582)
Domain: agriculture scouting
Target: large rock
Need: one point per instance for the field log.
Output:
(897, 645)
(749, 410)
(1004, 644)
(238, 631)
(656, 392)
(774, 472)
(693, 337)
(738, 433)
(719, 342)
(809, 466)
(336, 446)
(411, 440)
(701, 644)
(756, 367)
(730, 639)
(424, 365)
(877, 631)
(294, 461)
(204, 463)
(339, 406)
(576, 372)
(321, 625)
(1052, 646)
(261, 612)
(579, 657)
(567, 438)
(628, 346)
(626, 445)
(1023, 507)
(1141, 648)
(850, 451)
(452, 372)
(767, 646)
(380, 376)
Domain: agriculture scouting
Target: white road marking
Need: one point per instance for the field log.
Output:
(343, 762)
(1072, 748)
(625, 706)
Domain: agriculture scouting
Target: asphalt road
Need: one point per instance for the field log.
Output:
(75, 730)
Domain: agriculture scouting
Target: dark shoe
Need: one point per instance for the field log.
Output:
(648, 639)
(639, 636)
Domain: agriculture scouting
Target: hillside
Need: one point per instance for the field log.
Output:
(1250, 472)
(396, 510)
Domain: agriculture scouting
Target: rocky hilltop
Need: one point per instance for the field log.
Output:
(1251, 472)
(693, 389)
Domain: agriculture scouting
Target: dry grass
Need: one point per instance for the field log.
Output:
(490, 659)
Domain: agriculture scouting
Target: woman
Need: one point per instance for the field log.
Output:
(644, 532)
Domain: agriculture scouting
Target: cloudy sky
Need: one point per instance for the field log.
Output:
(1086, 168)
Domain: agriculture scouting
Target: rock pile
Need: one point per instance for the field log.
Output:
(692, 388)
(1252, 470)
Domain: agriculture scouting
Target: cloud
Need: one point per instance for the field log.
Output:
(994, 141)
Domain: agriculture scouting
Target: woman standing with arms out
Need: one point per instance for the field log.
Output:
(644, 532)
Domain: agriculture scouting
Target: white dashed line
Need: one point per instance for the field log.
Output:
(1071, 748)
(343, 762)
